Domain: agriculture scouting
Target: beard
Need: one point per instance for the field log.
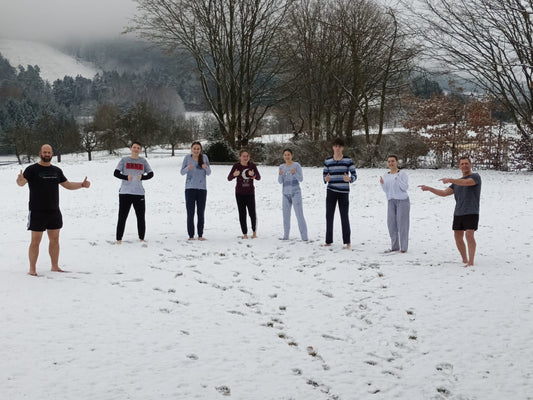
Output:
(46, 159)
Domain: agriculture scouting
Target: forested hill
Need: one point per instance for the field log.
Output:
(53, 63)
(139, 57)
(116, 63)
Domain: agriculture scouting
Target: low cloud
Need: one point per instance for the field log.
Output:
(64, 19)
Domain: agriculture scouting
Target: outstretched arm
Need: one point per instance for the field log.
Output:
(459, 182)
(76, 185)
(443, 193)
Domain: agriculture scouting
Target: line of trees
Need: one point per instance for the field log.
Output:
(325, 66)
(318, 68)
(332, 68)
(76, 114)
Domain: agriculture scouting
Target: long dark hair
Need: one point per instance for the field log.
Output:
(200, 156)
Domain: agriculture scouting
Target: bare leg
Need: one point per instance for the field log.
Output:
(53, 248)
(33, 251)
(471, 243)
(460, 243)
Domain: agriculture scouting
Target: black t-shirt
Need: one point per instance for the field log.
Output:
(44, 186)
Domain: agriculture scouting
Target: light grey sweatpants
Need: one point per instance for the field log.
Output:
(398, 223)
(295, 200)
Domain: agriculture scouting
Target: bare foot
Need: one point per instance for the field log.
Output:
(326, 245)
(348, 246)
(142, 240)
(191, 238)
(57, 269)
(254, 235)
(119, 241)
(245, 236)
(32, 273)
(403, 251)
(201, 238)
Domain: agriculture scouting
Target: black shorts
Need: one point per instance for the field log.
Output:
(40, 221)
(465, 222)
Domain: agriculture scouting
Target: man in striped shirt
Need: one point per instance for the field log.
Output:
(339, 172)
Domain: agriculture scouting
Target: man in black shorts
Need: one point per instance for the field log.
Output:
(467, 191)
(44, 180)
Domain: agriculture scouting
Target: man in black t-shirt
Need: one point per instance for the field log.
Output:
(43, 180)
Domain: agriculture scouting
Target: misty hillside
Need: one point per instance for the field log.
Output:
(124, 56)
(53, 63)
(135, 56)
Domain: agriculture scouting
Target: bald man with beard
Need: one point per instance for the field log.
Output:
(43, 180)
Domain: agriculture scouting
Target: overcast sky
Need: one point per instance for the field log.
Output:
(64, 19)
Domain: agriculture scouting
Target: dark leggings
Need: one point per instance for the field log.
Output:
(124, 204)
(246, 201)
(195, 198)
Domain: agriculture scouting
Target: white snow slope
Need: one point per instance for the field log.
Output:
(53, 63)
(265, 318)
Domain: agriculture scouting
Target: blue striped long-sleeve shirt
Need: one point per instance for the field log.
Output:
(336, 170)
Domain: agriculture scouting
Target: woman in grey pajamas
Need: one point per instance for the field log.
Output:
(290, 175)
(395, 184)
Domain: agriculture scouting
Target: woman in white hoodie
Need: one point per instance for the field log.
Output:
(395, 184)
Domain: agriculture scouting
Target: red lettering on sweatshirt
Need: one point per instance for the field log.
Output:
(140, 167)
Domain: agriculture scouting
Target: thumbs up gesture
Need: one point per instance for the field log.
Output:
(85, 183)
(21, 181)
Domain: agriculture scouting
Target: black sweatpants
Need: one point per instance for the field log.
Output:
(245, 201)
(124, 204)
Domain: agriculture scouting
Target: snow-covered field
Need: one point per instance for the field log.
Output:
(265, 318)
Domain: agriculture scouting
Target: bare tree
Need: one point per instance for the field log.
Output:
(380, 61)
(139, 123)
(490, 42)
(105, 126)
(234, 44)
(89, 139)
(314, 51)
(176, 130)
(348, 59)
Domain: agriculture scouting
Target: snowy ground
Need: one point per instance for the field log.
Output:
(265, 318)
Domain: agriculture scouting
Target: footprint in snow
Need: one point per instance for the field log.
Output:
(444, 368)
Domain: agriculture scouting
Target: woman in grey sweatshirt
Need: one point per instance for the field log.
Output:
(196, 167)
